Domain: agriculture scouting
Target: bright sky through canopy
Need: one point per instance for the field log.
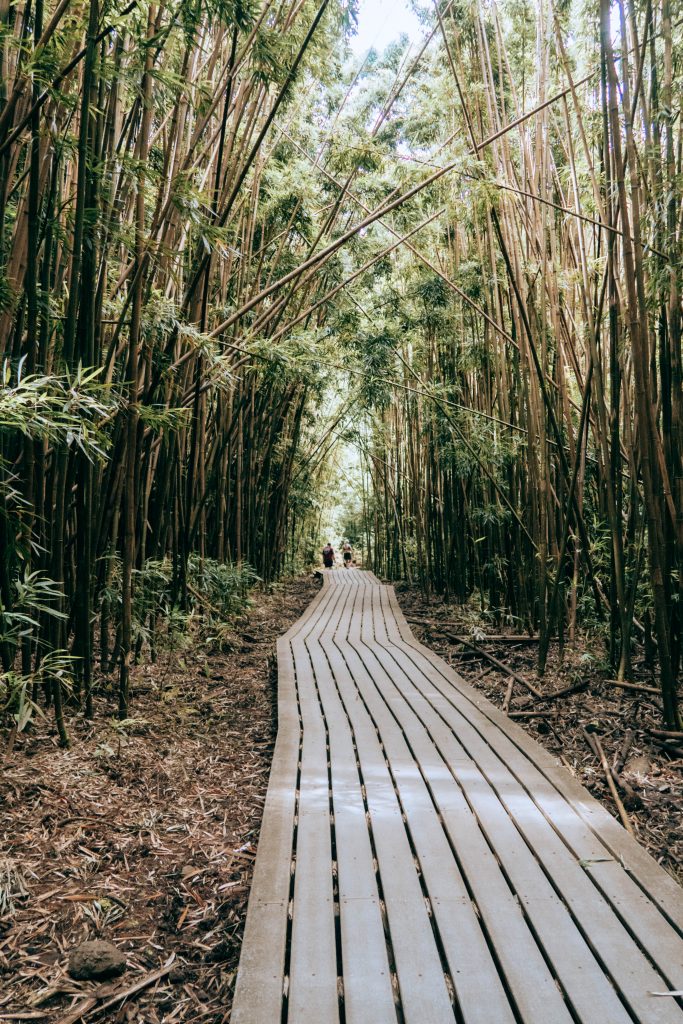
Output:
(382, 21)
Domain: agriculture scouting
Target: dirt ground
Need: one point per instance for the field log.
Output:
(144, 836)
(626, 723)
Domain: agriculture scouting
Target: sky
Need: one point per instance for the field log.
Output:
(381, 21)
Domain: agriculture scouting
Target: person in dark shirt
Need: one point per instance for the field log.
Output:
(328, 556)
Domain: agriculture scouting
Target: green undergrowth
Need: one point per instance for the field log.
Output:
(169, 615)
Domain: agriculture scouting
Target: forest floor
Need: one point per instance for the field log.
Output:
(146, 835)
(143, 836)
(648, 779)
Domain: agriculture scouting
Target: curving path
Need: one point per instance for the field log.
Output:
(422, 860)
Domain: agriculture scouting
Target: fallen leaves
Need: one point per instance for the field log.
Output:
(152, 849)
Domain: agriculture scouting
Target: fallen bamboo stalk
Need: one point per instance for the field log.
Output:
(594, 743)
(494, 661)
(672, 734)
(566, 691)
(667, 742)
(508, 695)
(205, 602)
(480, 675)
(23, 1015)
(525, 117)
(634, 686)
(79, 1012)
(675, 751)
(531, 714)
(620, 757)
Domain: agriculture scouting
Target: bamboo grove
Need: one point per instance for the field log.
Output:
(528, 448)
(226, 245)
(128, 237)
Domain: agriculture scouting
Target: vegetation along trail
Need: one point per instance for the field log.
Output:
(264, 285)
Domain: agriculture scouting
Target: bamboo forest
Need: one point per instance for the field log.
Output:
(404, 282)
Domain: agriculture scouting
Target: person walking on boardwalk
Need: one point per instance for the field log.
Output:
(347, 554)
(328, 556)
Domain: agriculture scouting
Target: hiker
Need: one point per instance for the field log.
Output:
(328, 556)
(347, 554)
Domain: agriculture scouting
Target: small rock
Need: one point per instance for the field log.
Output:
(640, 765)
(96, 959)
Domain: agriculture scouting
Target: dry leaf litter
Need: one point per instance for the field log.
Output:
(143, 835)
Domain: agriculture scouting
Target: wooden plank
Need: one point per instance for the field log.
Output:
(518, 862)
(424, 996)
(642, 915)
(527, 975)
(260, 977)
(313, 992)
(623, 960)
(652, 878)
(571, 958)
(368, 993)
(469, 958)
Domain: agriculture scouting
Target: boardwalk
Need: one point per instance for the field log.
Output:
(423, 860)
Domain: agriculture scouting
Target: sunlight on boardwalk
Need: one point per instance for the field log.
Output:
(423, 860)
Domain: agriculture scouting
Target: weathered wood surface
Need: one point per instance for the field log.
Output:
(423, 860)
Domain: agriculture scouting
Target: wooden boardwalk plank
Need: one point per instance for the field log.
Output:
(621, 956)
(423, 992)
(570, 956)
(313, 991)
(471, 964)
(458, 853)
(368, 994)
(260, 979)
(660, 886)
(639, 911)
